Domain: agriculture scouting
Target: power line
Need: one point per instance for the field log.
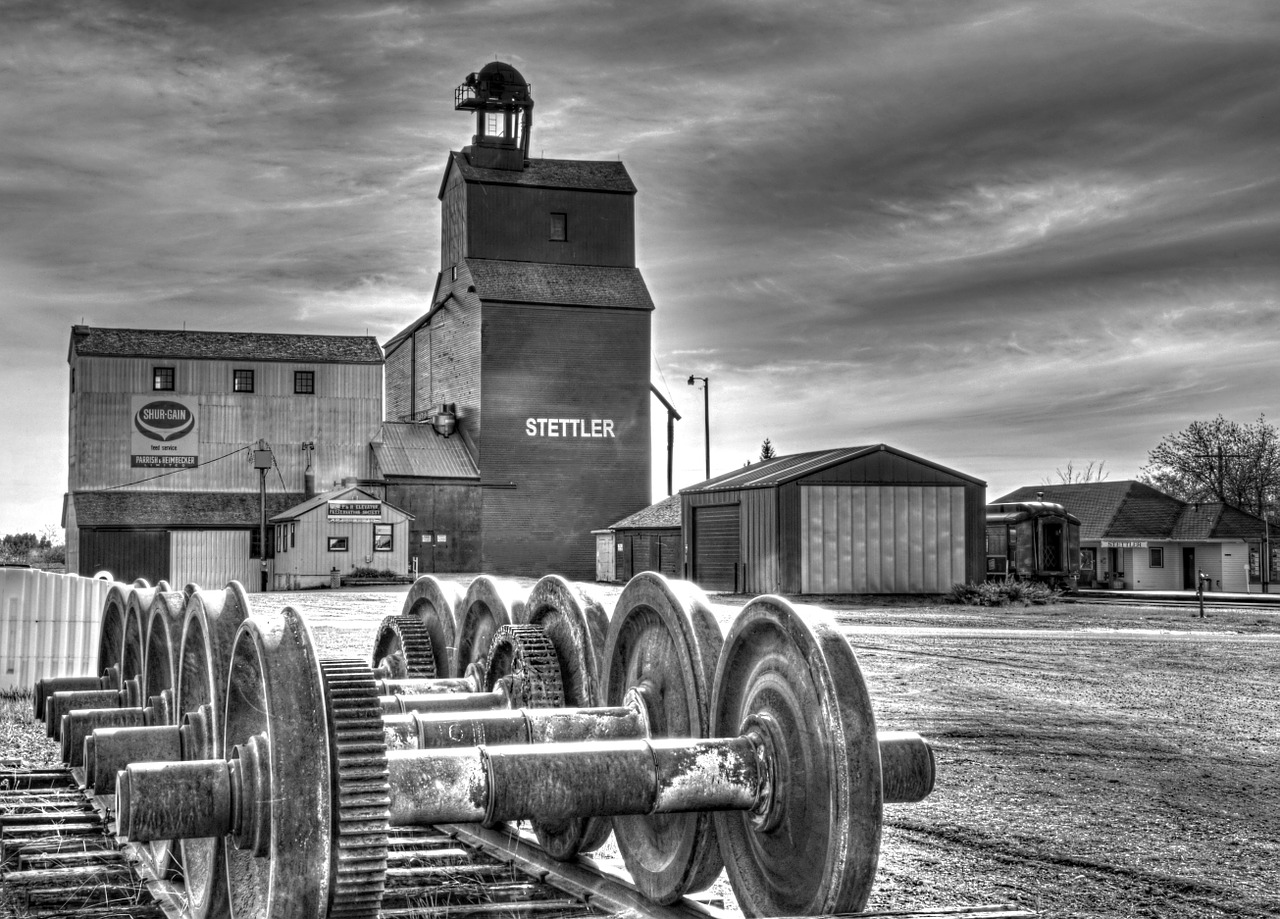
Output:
(176, 471)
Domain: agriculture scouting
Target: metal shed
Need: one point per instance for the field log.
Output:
(855, 520)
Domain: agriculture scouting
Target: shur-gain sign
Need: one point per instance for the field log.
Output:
(164, 431)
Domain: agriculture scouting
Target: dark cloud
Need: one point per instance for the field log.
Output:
(996, 233)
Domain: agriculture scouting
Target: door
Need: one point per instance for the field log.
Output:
(716, 547)
(1189, 568)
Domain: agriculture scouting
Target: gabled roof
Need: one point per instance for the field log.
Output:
(587, 175)
(1134, 510)
(417, 450)
(242, 346)
(350, 492)
(562, 285)
(666, 513)
(177, 509)
(783, 469)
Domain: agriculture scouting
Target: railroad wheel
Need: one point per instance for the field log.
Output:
(523, 657)
(403, 649)
(575, 623)
(210, 623)
(661, 653)
(488, 605)
(310, 837)
(111, 633)
(163, 638)
(433, 602)
(786, 675)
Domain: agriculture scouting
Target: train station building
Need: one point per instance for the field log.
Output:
(1135, 537)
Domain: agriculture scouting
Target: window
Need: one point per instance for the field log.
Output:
(1157, 558)
(559, 227)
(382, 537)
(304, 382)
(453, 273)
(73, 379)
(242, 381)
(255, 545)
(291, 535)
(162, 378)
(338, 543)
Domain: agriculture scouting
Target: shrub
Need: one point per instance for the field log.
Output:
(372, 573)
(1003, 593)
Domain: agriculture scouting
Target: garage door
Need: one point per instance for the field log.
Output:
(715, 546)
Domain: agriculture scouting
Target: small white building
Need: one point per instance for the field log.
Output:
(1136, 537)
(335, 533)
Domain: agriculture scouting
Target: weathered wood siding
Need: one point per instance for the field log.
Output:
(305, 559)
(341, 418)
(514, 222)
(399, 367)
(211, 558)
(446, 357)
(561, 362)
(882, 538)
(451, 510)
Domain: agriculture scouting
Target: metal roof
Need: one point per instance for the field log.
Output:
(241, 346)
(784, 469)
(588, 175)
(417, 450)
(567, 285)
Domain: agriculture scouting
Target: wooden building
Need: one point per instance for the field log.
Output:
(534, 353)
(857, 520)
(162, 423)
(335, 533)
(648, 540)
(1136, 537)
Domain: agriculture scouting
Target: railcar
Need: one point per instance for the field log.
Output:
(1032, 541)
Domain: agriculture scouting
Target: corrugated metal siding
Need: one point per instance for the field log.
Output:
(49, 625)
(561, 362)
(211, 558)
(399, 369)
(882, 539)
(417, 450)
(341, 417)
(514, 222)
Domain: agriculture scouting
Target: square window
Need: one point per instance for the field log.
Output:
(242, 380)
(162, 378)
(559, 227)
(338, 543)
(1157, 558)
(304, 382)
(382, 537)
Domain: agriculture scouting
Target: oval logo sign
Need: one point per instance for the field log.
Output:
(164, 420)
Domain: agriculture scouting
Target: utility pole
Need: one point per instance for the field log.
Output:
(262, 461)
(706, 415)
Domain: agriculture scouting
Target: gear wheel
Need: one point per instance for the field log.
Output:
(524, 656)
(404, 644)
(361, 790)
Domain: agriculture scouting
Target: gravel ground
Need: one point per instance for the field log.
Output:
(1092, 761)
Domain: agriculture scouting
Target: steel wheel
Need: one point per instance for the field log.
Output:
(403, 649)
(661, 650)
(487, 605)
(432, 602)
(787, 675)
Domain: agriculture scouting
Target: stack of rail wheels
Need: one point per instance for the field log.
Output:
(253, 778)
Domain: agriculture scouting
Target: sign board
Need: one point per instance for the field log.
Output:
(569, 427)
(441, 539)
(164, 431)
(1124, 544)
(355, 510)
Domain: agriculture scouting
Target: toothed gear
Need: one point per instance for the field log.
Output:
(525, 656)
(409, 636)
(361, 792)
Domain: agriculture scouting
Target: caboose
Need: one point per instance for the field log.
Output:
(1032, 541)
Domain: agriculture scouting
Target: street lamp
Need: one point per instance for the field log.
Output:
(706, 414)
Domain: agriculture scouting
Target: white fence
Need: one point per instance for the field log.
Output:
(48, 625)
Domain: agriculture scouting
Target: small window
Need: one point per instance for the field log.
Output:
(73, 379)
(162, 378)
(242, 380)
(255, 545)
(338, 543)
(1157, 558)
(304, 382)
(453, 273)
(291, 535)
(382, 537)
(559, 227)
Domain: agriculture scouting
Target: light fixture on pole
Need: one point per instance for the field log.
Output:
(706, 414)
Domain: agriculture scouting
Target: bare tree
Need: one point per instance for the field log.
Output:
(1094, 472)
(1219, 460)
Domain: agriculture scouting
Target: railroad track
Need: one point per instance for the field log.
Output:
(248, 777)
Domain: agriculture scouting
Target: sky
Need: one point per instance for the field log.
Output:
(1002, 236)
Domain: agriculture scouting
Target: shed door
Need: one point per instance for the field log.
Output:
(715, 546)
(127, 554)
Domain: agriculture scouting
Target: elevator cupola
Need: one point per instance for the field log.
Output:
(499, 96)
